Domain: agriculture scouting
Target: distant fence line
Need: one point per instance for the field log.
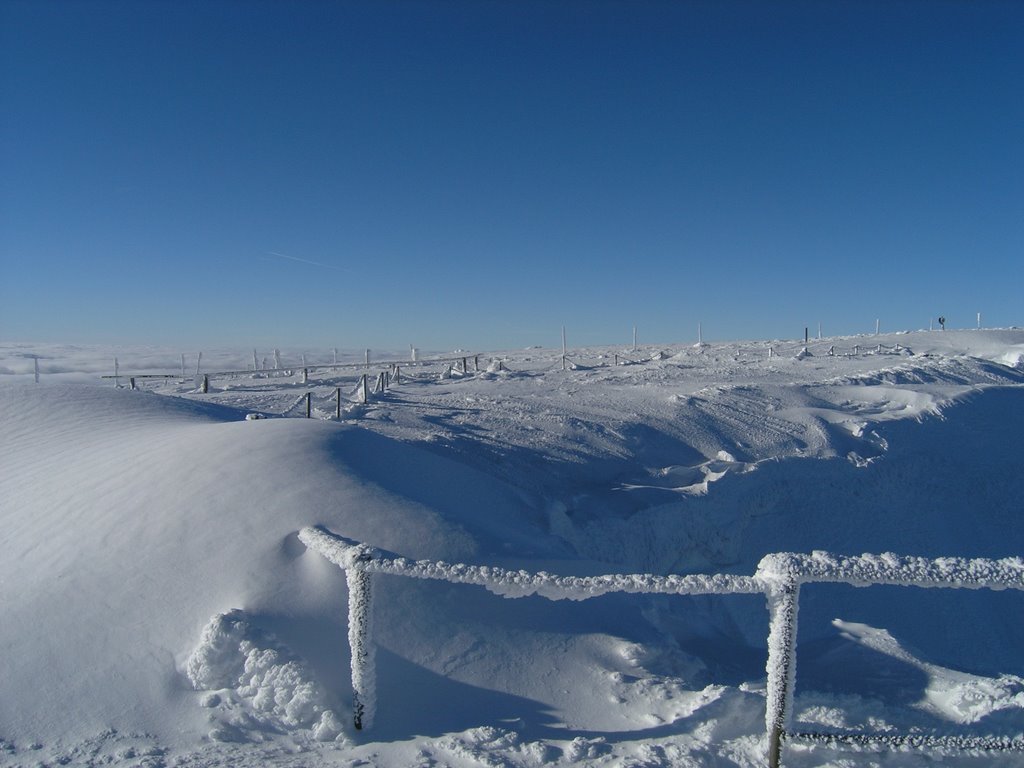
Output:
(779, 577)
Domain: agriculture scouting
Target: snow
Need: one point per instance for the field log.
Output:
(159, 608)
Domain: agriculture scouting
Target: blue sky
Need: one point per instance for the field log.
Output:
(477, 174)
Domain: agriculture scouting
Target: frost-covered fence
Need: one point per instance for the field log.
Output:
(779, 577)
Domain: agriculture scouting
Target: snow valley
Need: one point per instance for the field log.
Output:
(158, 608)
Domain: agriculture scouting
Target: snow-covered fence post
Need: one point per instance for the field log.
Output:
(335, 355)
(634, 338)
(771, 352)
(367, 358)
(616, 359)
(131, 381)
(465, 365)
(255, 361)
(305, 375)
(782, 608)
(878, 324)
(476, 362)
(364, 387)
(277, 359)
(337, 394)
(205, 388)
(856, 349)
(309, 404)
(363, 672)
(398, 374)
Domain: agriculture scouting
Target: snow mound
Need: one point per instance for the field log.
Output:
(260, 686)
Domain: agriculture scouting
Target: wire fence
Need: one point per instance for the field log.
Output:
(779, 577)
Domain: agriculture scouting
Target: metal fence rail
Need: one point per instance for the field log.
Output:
(779, 577)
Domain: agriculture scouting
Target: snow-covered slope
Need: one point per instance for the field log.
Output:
(149, 548)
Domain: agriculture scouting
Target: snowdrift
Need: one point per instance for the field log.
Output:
(158, 605)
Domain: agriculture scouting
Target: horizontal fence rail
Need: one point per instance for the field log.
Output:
(778, 577)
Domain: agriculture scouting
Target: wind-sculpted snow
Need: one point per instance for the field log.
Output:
(257, 685)
(132, 517)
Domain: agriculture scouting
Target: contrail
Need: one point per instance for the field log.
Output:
(306, 261)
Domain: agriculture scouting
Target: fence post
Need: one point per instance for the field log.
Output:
(206, 384)
(782, 607)
(771, 352)
(305, 375)
(832, 351)
(398, 374)
(363, 673)
(616, 359)
(337, 394)
(131, 381)
(308, 404)
(856, 349)
(363, 385)
(476, 362)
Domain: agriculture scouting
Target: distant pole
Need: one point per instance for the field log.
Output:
(877, 326)
(255, 361)
(367, 356)
(700, 334)
(335, 355)
(979, 321)
(634, 338)
(305, 375)
(199, 362)
(365, 391)
(930, 327)
(277, 359)
(563, 341)
(303, 359)
(35, 361)
(806, 337)
(183, 366)
(819, 331)
(116, 384)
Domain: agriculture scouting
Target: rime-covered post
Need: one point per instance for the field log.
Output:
(700, 334)
(305, 375)
(255, 361)
(819, 331)
(398, 374)
(131, 382)
(309, 404)
(337, 394)
(782, 609)
(367, 356)
(361, 645)
(364, 389)
(979, 321)
(205, 388)
(277, 359)
(634, 338)
(878, 324)
(199, 362)
(335, 355)
(476, 362)
(35, 363)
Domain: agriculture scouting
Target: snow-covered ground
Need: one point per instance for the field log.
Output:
(157, 607)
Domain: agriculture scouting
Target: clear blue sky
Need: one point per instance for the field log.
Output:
(476, 174)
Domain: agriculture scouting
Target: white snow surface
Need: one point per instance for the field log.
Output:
(157, 606)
